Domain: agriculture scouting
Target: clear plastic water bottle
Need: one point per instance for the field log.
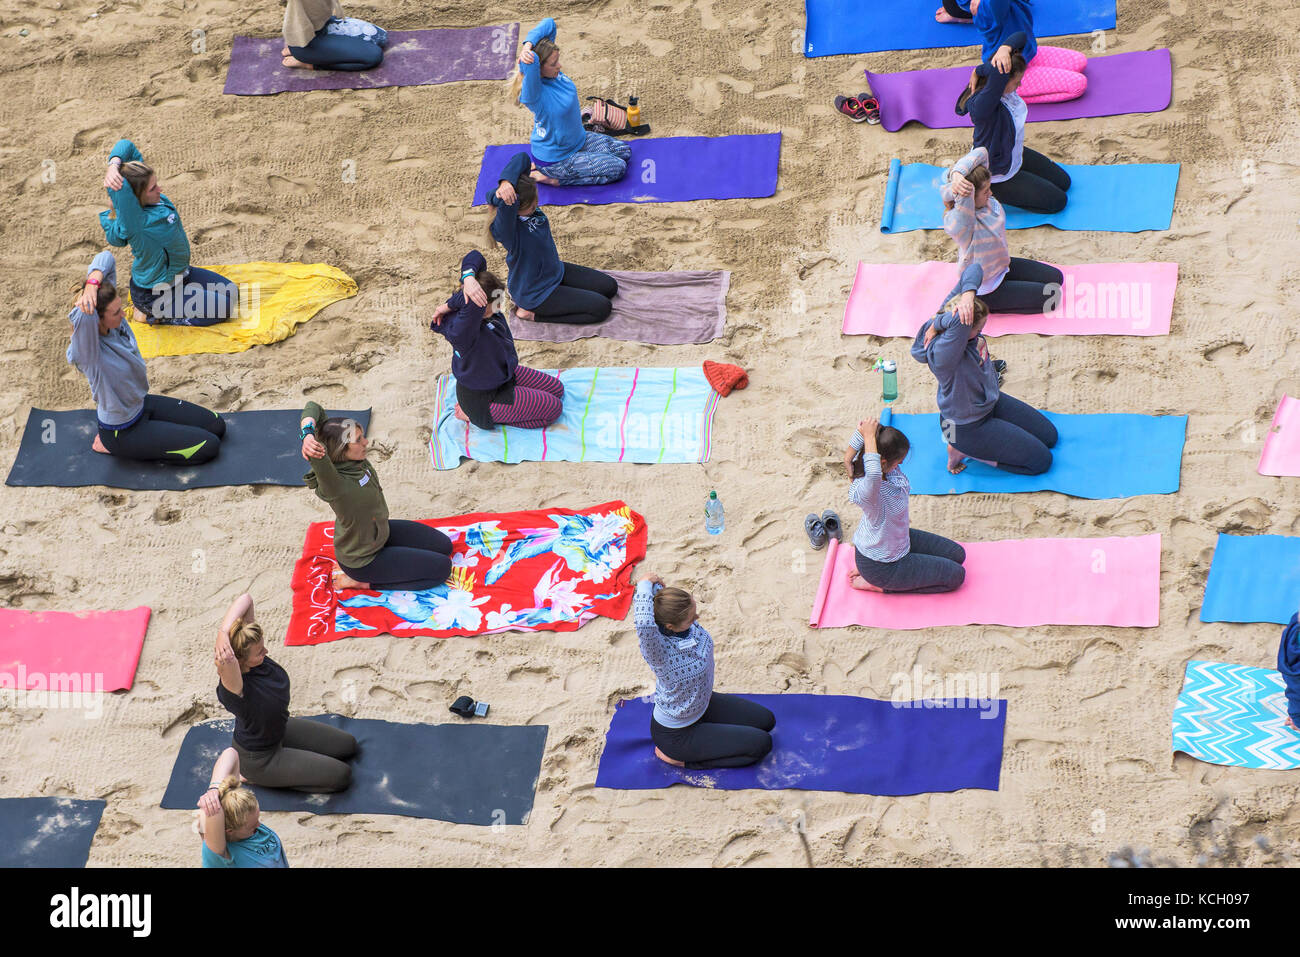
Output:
(713, 521)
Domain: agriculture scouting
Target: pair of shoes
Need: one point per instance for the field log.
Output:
(1001, 366)
(860, 109)
(821, 530)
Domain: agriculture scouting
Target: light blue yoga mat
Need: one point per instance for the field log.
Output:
(1116, 198)
(870, 26)
(1253, 578)
(612, 414)
(1235, 715)
(1111, 455)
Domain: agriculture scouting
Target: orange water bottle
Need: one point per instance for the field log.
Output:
(633, 112)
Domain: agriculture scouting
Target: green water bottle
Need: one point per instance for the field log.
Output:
(889, 379)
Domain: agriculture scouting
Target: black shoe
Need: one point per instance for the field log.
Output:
(1001, 366)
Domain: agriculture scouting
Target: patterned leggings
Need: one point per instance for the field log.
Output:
(539, 400)
(602, 159)
(1054, 76)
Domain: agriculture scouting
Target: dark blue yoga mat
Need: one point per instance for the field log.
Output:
(1114, 198)
(47, 831)
(259, 448)
(828, 743)
(671, 169)
(463, 773)
(870, 26)
(1111, 455)
(1253, 578)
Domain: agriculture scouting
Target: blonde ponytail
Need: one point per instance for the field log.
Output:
(238, 803)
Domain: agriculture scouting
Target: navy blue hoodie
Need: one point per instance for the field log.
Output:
(483, 354)
(535, 266)
(995, 130)
(1288, 662)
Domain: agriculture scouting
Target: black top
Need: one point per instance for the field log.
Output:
(262, 712)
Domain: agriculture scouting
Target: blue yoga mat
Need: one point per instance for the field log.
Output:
(1115, 198)
(463, 773)
(870, 26)
(1112, 455)
(1253, 578)
(47, 831)
(829, 743)
(671, 169)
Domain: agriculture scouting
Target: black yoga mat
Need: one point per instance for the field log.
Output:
(47, 831)
(259, 448)
(466, 773)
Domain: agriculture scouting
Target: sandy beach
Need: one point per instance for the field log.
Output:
(1087, 769)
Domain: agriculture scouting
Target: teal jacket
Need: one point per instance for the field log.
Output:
(160, 250)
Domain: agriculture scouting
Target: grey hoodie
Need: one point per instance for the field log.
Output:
(968, 383)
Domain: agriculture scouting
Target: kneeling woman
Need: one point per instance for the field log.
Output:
(233, 833)
(890, 555)
(165, 288)
(492, 388)
(979, 420)
(133, 423)
(276, 751)
(692, 725)
(319, 36)
(542, 286)
(371, 551)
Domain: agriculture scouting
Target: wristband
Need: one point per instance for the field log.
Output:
(468, 274)
(117, 158)
(92, 282)
(307, 430)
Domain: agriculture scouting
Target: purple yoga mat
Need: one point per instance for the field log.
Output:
(661, 308)
(833, 743)
(670, 169)
(412, 58)
(1122, 83)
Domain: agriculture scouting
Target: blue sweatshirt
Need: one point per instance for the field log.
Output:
(160, 249)
(999, 20)
(111, 363)
(535, 269)
(483, 350)
(968, 383)
(1288, 662)
(557, 114)
(995, 125)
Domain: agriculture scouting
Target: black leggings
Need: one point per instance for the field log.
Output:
(732, 733)
(169, 430)
(415, 557)
(956, 11)
(311, 757)
(582, 297)
(1039, 187)
(1024, 289)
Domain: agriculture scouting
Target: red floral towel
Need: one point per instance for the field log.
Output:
(551, 569)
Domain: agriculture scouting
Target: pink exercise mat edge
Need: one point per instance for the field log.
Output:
(1281, 452)
(915, 292)
(100, 642)
(1139, 556)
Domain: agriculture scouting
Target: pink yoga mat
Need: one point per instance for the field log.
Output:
(1115, 299)
(1020, 582)
(1281, 455)
(43, 645)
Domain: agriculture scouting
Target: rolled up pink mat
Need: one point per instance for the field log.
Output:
(1281, 454)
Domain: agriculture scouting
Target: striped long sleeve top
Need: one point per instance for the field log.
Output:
(883, 535)
(980, 234)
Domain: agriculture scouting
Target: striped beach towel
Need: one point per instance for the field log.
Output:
(618, 414)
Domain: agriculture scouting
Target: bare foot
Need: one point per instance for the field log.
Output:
(284, 52)
(295, 63)
(667, 760)
(342, 580)
(943, 16)
(98, 446)
(460, 413)
(540, 177)
(861, 584)
(956, 461)
(525, 313)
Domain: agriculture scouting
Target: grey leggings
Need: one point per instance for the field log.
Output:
(732, 733)
(311, 758)
(934, 564)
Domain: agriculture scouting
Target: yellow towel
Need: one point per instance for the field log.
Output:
(274, 298)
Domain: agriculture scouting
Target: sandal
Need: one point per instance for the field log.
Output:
(852, 108)
(816, 531)
(871, 107)
(831, 522)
